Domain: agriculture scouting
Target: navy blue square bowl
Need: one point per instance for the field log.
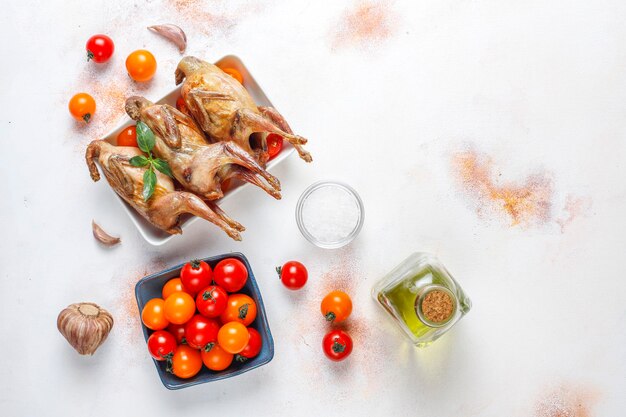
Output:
(151, 286)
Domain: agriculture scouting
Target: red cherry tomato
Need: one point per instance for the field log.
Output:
(128, 137)
(182, 106)
(274, 144)
(195, 276)
(178, 330)
(161, 345)
(337, 345)
(293, 275)
(212, 301)
(201, 331)
(99, 48)
(230, 274)
(253, 348)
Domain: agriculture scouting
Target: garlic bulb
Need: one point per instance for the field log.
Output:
(85, 326)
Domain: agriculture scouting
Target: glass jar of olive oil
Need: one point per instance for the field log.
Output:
(422, 297)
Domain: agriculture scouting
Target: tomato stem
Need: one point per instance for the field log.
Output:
(208, 347)
(243, 311)
(207, 295)
(338, 347)
(195, 264)
(87, 117)
(330, 316)
(279, 270)
(240, 358)
(89, 55)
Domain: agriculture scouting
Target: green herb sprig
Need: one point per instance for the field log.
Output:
(145, 140)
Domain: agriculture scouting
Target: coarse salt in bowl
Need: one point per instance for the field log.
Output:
(330, 214)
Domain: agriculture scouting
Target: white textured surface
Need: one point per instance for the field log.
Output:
(535, 84)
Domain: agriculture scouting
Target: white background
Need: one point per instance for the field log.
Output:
(538, 86)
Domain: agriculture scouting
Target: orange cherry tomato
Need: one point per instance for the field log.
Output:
(216, 359)
(172, 286)
(179, 307)
(82, 106)
(233, 337)
(186, 362)
(274, 144)
(233, 73)
(241, 308)
(153, 314)
(128, 137)
(336, 306)
(141, 65)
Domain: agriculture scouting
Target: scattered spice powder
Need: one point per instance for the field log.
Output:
(437, 306)
(366, 23)
(567, 401)
(574, 207)
(527, 203)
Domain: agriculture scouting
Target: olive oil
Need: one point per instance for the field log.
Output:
(404, 293)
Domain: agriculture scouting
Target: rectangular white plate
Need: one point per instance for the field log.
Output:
(158, 237)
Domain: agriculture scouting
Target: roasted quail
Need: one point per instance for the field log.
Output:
(226, 112)
(200, 167)
(166, 205)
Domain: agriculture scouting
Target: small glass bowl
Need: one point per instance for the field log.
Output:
(330, 214)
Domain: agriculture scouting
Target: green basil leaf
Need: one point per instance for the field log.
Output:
(162, 166)
(145, 137)
(139, 161)
(149, 183)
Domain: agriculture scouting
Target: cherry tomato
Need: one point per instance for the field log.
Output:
(253, 347)
(233, 73)
(211, 301)
(293, 275)
(336, 306)
(200, 331)
(216, 359)
(178, 330)
(240, 308)
(82, 106)
(186, 362)
(182, 106)
(230, 274)
(337, 345)
(153, 314)
(172, 286)
(274, 144)
(161, 345)
(99, 48)
(128, 137)
(179, 307)
(196, 275)
(233, 337)
(141, 65)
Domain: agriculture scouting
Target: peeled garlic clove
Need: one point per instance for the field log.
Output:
(172, 33)
(85, 326)
(102, 236)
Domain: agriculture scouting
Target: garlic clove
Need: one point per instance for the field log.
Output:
(102, 236)
(172, 33)
(85, 326)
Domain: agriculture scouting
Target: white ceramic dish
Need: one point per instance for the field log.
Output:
(155, 236)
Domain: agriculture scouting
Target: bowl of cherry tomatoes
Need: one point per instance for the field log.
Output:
(204, 321)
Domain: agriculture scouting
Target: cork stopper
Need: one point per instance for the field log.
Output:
(436, 306)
